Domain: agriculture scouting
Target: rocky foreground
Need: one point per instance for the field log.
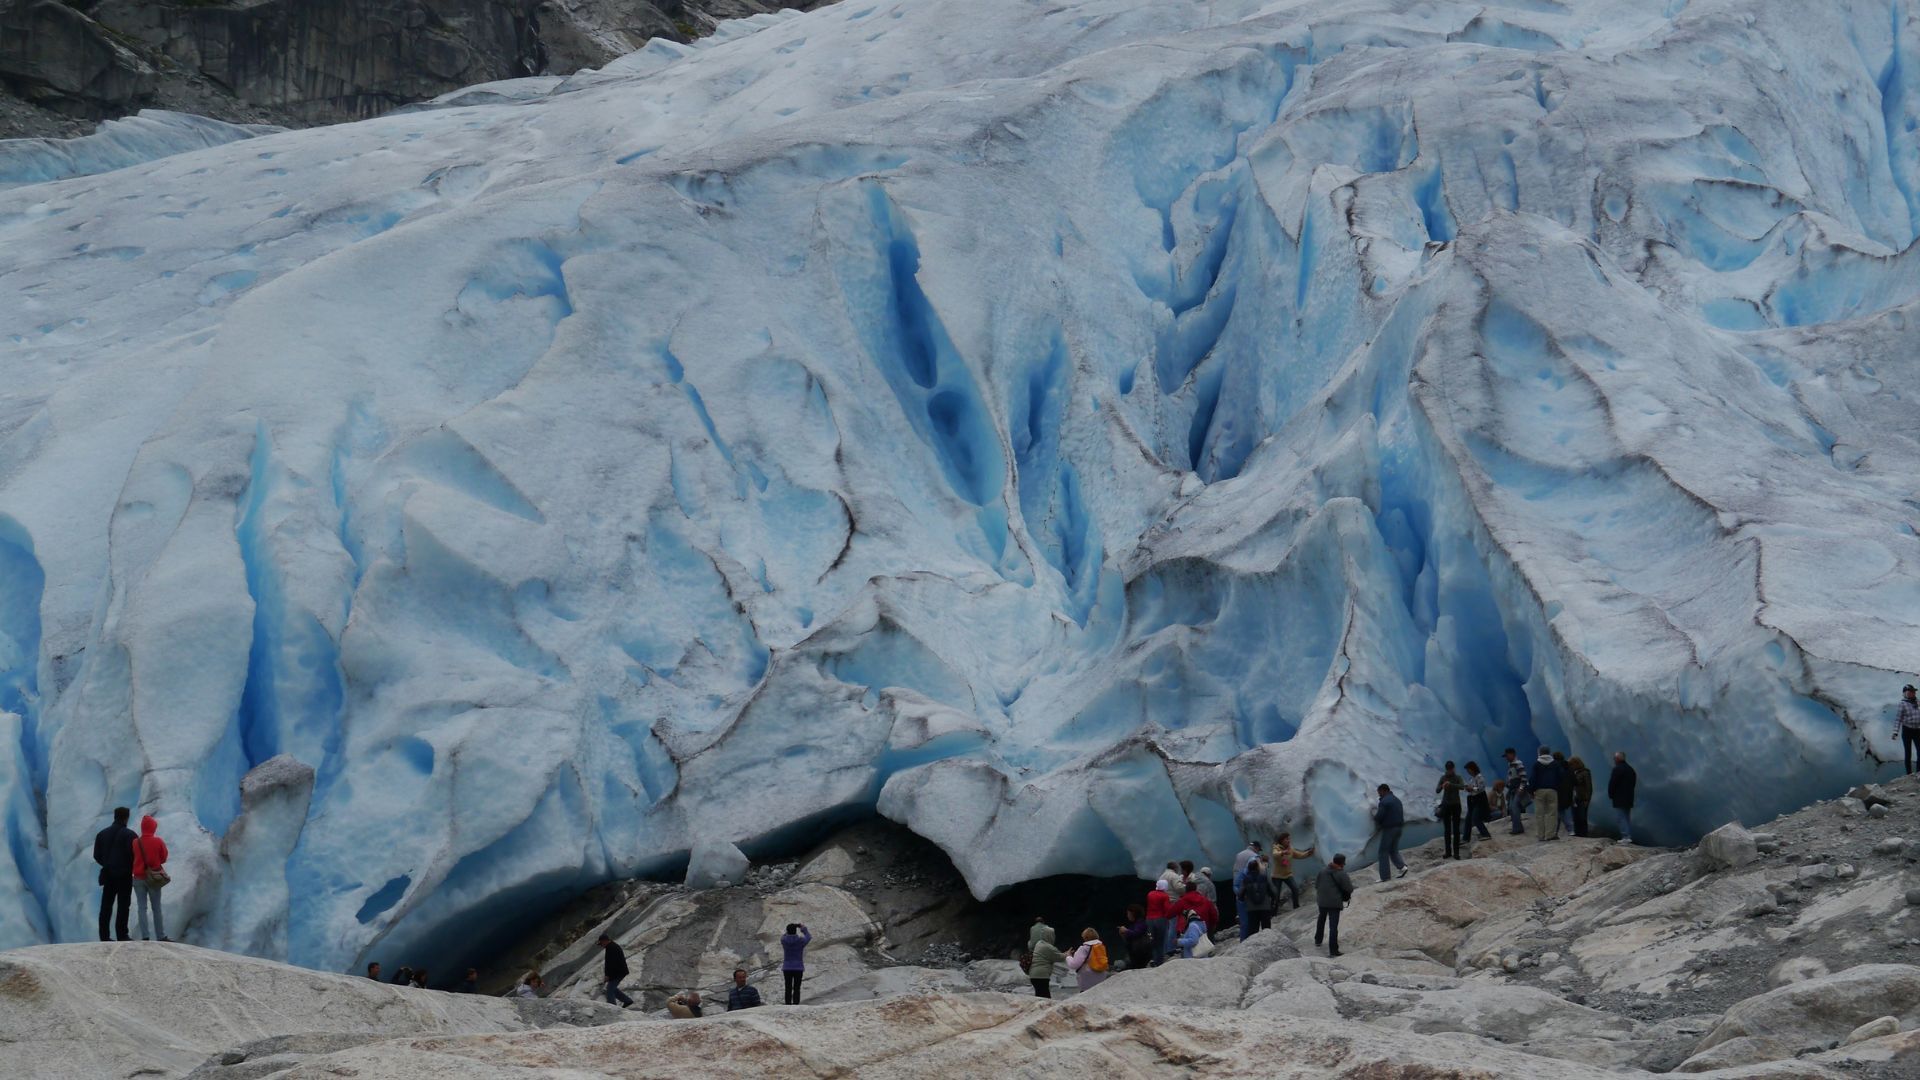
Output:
(1783, 952)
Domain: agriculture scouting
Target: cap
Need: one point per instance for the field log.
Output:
(1907, 688)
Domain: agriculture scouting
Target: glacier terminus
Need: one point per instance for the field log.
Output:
(1081, 431)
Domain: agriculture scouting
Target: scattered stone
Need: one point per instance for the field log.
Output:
(1728, 847)
(1762, 908)
(1869, 794)
(1849, 807)
(1873, 1029)
(1913, 897)
(1892, 845)
(1877, 810)
(1510, 964)
(1845, 871)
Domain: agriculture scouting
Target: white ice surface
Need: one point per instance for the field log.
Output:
(1083, 431)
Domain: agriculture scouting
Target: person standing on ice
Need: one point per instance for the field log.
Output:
(1545, 781)
(1907, 719)
(1283, 856)
(1331, 890)
(1390, 818)
(615, 971)
(113, 850)
(793, 959)
(1582, 793)
(1452, 813)
(149, 874)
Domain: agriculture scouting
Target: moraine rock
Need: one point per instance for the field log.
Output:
(1728, 847)
(1810, 1015)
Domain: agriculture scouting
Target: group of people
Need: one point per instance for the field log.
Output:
(132, 868)
(688, 1004)
(417, 977)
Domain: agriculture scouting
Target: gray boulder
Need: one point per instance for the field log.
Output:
(1728, 847)
(1810, 1015)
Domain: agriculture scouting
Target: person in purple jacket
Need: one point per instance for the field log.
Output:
(794, 966)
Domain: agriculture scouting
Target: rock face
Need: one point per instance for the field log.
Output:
(1260, 1008)
(314, 61)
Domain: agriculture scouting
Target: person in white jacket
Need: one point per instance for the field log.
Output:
(1080, 960)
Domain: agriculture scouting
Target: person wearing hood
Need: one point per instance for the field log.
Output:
(1582, 778)
(1390, 818)
(1043, 959)
(1088, 961)
(149, 875)
(1160, 918)
(1545, 782)
(1190, 935)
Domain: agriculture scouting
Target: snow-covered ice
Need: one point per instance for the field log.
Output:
(1072, 428)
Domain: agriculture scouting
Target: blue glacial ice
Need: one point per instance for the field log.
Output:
(1078, 431)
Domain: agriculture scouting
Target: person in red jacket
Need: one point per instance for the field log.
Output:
(1160, 918)
(149, 855)
(1193, 901)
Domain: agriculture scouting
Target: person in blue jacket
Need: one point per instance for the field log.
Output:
(1390, 818)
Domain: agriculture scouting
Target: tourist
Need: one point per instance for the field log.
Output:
(1252, 851)
(1192, 898)
(742, 996)
(1545, 782)
(1479, 810)
(1331, 890)
(1566, 792)
(373, 971)
(1907, 728)
(1137, 935)
(1160, 918)
(1282, 873)
(614, 971)
(403, 977)
(1582, 793)
(1516, 789)
(420, 978)
(1390, 818)
(528, 986)
(149, 876)
(1257, 900)
(1497, 802)
(113, 850)
(1089, 960)
(1200, 881)
(685, 1006)
(1620, 786)
(1193, 929)
(1452, 813)
(1043, 958)
(471, 984)
(793, 962)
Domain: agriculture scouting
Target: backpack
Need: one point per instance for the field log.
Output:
(1097, 959)
(155, 876)
(1026, 962)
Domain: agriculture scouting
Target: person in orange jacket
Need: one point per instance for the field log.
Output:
(149, 874)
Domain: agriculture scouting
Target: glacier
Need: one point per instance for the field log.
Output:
(1079, 431)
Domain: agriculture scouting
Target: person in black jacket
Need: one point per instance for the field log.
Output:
(616, 970)
(113, 850)
(1620, 787)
